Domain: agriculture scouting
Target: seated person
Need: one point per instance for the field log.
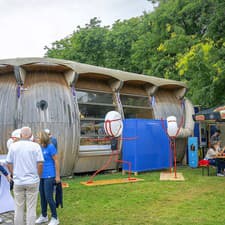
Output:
(211, 155)
(215, 137)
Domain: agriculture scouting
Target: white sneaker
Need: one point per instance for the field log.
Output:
(220, 175)
(41, 219)
(1, 220)
(54, 221)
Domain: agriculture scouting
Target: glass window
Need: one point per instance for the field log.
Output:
(93, 107)
(136, 106)
(92, 128)
(137, 113)
(135, 100)
(94, 104)
(92, 132)
(94, 111)
(94, 97)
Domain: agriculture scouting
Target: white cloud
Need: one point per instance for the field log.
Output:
(29, 25)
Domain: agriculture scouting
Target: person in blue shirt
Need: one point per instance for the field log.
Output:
(49, 177)
(7, 175)
(4, 172)
(52, 139)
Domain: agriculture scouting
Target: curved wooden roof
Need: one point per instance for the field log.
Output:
(64, 65)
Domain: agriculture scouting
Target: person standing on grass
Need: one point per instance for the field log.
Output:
(25, 161)
(7, 175)
(49, 177)
(15, 136)
(53, 140)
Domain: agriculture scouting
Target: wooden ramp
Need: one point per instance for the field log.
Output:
(65, 185)
(171, 176)
(112, 181)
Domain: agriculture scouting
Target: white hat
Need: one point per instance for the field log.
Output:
(16, 133)
(47, 131)
(9, 142)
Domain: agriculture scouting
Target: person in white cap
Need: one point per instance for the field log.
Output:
(15, 136)
(25, 161)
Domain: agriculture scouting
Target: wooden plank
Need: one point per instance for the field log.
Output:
(171, 176)
(112, 181)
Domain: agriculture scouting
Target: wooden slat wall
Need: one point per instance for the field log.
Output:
(168, 105)
(59, 117)
(8, 99)
(133, 87)
(87, 81)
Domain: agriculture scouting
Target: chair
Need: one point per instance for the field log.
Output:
(204, 164)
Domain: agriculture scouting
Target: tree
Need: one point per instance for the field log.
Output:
(119, 41)
(181, 39)
(86, 45)
(204, 72)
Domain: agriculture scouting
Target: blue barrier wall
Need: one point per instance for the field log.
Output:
(150, 149)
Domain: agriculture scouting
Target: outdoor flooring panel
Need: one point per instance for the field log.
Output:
(171, 176)
(111, 181)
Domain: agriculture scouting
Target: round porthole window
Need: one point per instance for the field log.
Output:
(42, 105)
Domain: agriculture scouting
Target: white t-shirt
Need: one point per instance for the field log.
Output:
(211, 153)
(9, 142)
(24, 156)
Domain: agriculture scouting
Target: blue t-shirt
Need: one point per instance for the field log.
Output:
(54, 141)
(49, 163)
(3, 170)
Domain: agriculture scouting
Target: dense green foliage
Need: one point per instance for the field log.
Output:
(181, 40)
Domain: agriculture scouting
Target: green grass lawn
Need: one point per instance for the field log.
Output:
(199, 200)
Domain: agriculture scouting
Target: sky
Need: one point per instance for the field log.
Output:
(29, 25)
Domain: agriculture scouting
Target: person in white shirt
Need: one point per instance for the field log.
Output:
(25, 161)
(15, 136)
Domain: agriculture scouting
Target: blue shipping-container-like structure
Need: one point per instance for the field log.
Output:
(148, 149)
